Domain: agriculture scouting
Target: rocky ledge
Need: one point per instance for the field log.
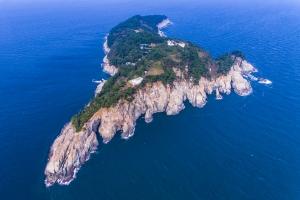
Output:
(71, 149)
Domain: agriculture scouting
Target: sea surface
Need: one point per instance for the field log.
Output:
(235, 148)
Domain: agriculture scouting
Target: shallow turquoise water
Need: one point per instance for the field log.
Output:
(237, 148)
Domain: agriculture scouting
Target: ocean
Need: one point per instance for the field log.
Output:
(235, 148)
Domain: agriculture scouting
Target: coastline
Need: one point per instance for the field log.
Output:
(122, 117)
(112, 70)
(63, 170)
(107, 67)
(99, 87)
(106, 49)
(67, 179)
(162, 25)
(71, 149)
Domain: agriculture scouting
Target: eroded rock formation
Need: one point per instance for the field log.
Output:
(71, 149)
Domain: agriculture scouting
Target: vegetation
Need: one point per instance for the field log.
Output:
(130, 49)
(129, 27)
(239, 53)
(198, 66)
(226, 60)
(138, 51)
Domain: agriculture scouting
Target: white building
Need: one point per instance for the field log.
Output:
(181, 44)
(173, 43)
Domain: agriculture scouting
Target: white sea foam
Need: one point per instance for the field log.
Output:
(265, 81)
(96, 81)
(62, 182)
(105, 46)
(253, 78)
(131, 134)
(48, 184)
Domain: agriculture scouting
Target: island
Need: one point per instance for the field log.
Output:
(150, 73)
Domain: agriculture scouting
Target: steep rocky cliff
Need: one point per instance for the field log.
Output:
(71, 149)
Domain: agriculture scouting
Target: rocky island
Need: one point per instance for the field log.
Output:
(151, 73)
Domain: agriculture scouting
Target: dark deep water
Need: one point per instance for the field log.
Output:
(236, 148)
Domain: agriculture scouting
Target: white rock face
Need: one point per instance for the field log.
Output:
(105, 46)
(107, 68)
(99, 87)
(71, 149)
(162, 25)
(246, 67)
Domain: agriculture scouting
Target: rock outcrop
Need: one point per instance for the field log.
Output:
(71, 149)
(107, 67)
(106, 49)
(162, 25)
(99, 87)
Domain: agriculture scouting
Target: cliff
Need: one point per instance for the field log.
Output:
(68, 152)
(71, 149)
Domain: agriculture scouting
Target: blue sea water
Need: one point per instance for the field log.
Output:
(236, 148)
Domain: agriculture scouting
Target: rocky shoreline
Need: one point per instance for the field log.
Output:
(99, 87)
(106, 49)
(162, 25)
(107, 67)
(68, 152)
(112, 70)
(71, 149)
